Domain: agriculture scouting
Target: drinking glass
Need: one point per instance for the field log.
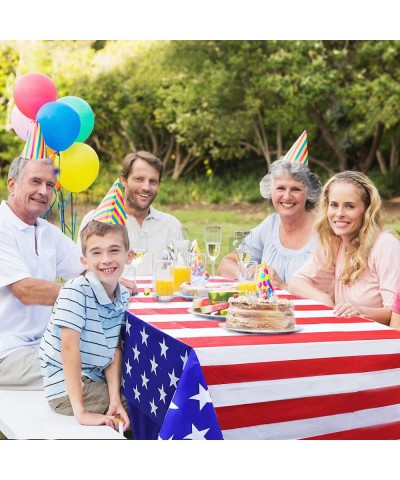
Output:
(242, 246)
(212, 239)
(164, 280)
(248, 278)
(138, 243)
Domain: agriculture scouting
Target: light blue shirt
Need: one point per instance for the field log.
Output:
(265, 244)
(84, 306)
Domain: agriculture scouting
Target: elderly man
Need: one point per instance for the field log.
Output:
(33, 253)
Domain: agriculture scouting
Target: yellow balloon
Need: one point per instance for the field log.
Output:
(79, 167)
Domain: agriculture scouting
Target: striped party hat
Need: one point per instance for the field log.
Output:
(112, 207)
(299, 151)
(35, 148)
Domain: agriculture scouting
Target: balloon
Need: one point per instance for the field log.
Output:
(20, 123)
(32, 91)
(85, 113)
(79, 167)
(60, 125)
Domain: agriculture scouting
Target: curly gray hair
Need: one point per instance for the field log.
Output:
(301, 173)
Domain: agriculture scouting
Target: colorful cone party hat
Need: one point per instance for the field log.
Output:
(299, 151)
(35, 148)
(112, 207)
(264, 285)
(197, 266)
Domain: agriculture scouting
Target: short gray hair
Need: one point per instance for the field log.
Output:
(18, 165)
(301, 173)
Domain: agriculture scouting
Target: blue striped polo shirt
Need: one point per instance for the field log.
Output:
(84, 306)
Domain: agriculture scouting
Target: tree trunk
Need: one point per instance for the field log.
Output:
(366, 165)
(381, 162)
(262, 138)
(329, 139)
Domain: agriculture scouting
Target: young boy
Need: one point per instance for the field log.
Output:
(80, 352)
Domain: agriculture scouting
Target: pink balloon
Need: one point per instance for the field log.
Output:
(20, 123)
(32, 91)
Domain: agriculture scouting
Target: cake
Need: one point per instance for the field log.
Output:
(258, 313)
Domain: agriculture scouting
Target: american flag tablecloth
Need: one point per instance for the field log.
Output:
(337, 378)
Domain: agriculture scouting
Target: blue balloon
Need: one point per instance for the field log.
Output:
(60, 125)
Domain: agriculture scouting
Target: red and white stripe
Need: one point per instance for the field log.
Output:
(337, 378)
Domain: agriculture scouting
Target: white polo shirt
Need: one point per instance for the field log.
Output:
(23, 325)
(157, 225)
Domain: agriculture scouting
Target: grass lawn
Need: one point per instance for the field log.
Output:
(231, 218)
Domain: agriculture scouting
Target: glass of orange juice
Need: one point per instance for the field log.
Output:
(164, 280)
(248, 279)
(181, 264)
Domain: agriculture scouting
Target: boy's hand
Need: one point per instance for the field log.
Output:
(96, 419)
(119, 412)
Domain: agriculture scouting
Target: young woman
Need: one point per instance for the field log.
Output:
(356, 268)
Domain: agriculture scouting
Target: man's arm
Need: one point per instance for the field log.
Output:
(32, 291)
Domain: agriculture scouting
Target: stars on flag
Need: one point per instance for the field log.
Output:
(164, 386)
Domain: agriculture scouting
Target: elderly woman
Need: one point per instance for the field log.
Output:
(285, 239)
(356, 268)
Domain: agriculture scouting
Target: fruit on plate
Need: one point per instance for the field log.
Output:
(200, 302)
(215, 296)
(214, 308)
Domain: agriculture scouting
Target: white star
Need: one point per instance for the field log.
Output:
(185, 358)
(173, 406)
(137, 393)
(162, 394)
(173, 378)
(136, 352)
(164, 348)
(154, 365)
(203, 396)
(196, 434)
(128, 368)
(127, 326)
(144, 380)
(153, 408)
(170, 438)
(144, 337)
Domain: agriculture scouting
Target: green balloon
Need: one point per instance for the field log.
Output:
(86, 116)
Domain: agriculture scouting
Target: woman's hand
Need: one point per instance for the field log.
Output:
(346, 310)
(276, 279)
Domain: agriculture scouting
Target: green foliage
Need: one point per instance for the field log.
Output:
(204, 106)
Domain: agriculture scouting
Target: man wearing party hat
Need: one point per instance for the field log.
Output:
(141, 178)
(80, 351)
(33, 254)
(286, 238)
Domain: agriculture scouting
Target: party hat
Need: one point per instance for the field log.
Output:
(35, 148)
(112, 207)
(264, 285)
(299, 151)
(197, 266)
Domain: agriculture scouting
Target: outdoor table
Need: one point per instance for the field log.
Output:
(189, 377)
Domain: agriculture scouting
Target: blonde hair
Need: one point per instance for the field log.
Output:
(356, 257)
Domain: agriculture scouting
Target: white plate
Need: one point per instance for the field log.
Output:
(207, 315)
(185, 297)
(264, 332)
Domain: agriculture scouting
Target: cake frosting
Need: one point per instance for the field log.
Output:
(258, 313)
